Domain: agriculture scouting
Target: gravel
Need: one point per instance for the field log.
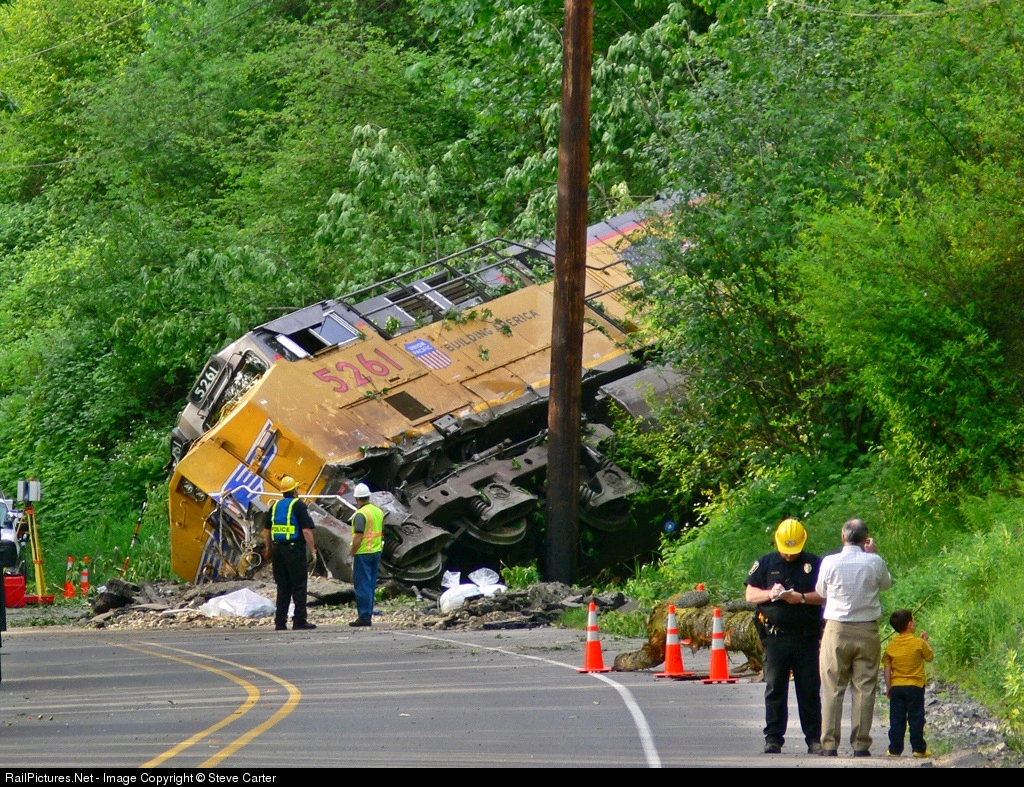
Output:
(955, 721)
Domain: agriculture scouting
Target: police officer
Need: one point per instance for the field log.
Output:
(288, 532)
(781, 584)
(367, 543)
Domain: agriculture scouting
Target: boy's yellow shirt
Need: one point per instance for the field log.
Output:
(906, 655)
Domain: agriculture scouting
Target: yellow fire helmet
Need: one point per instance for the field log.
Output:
(288, 484)
(790, 537)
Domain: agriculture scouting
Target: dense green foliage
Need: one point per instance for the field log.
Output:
(175, 172)
(840, 279)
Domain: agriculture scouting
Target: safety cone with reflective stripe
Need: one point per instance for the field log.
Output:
(673, 651)
(719, 662)
(83, 583)
(592, 660)
(69, 578)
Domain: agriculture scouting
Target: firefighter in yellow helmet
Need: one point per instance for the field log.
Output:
(367, 544)
(788, 621)
(288, 533)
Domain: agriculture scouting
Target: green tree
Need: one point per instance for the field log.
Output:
(772, 124)
(914, 289)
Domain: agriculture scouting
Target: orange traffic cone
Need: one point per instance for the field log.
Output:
(592, 660)
(69, 579)
(719, 662)
(673, 652)
(83, 583)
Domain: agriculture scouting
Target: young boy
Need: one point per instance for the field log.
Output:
(904, 683)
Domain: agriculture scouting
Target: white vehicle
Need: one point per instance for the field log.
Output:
(9, 520)
(9, 549)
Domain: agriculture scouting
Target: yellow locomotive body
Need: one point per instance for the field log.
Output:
(438, 399)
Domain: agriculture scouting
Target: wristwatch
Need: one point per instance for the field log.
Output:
(803, 599)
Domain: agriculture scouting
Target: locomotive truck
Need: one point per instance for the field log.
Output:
(432, 387)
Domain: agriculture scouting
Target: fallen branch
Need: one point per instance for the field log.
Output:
(695, 621)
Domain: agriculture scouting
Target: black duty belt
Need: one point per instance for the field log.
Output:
(783, 631)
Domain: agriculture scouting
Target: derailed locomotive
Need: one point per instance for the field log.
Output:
(432, 387)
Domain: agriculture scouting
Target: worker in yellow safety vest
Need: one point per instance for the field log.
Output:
(367, 543)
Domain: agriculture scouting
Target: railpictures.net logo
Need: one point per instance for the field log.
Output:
(130, 779)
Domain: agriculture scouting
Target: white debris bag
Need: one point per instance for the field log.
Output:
(455, 597)
(488, 581)
(484, 576)
(491, 590)
(485, 582)
(242, 603)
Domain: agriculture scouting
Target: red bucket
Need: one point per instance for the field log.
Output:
(14, 591)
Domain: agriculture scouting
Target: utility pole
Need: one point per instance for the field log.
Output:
(564, 407)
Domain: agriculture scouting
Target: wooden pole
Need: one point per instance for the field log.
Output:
(563, 505)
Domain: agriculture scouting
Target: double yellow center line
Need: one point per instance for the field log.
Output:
(252, 697)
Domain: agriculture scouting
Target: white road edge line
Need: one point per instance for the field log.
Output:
(642, 727)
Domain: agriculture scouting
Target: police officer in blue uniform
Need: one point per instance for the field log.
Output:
(288, 532)
(788, 621)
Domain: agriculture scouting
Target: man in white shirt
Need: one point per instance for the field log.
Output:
(850, 583)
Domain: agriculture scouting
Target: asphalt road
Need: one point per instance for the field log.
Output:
(256, 698)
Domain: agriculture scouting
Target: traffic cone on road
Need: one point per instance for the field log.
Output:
(719, 662)
(673, 651)
(69, 578)
(83, 583)
(592, 659)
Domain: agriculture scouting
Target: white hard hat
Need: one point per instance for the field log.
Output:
(361, 491)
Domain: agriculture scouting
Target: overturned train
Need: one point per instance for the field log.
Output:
(432, 387)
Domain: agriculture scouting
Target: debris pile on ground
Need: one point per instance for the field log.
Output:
(539, 605)
(121, 604)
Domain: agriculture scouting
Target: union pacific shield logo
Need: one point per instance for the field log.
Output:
(428, 355)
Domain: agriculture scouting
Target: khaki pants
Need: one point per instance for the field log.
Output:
(850, 653)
